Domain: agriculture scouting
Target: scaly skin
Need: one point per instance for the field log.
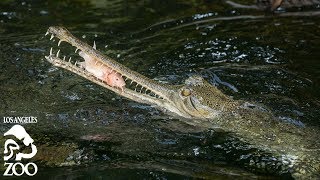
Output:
(201, 104)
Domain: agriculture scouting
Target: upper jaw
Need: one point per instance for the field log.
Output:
(138, 87)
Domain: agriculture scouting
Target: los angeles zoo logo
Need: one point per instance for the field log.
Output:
(11, 146)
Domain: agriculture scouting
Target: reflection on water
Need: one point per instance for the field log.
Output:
(268, 60)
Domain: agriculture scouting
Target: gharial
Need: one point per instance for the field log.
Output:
(294, 149)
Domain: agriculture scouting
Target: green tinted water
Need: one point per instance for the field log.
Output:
(270, 60)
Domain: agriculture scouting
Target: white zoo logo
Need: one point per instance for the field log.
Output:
(10, 145)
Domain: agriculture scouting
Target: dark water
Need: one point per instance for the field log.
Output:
(269, 59)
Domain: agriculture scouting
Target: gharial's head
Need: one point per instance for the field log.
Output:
(195, 99)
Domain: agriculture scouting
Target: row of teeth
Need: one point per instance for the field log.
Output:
(137, 87)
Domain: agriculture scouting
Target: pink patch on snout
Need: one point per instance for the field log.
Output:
(114, 79)
(106, 74)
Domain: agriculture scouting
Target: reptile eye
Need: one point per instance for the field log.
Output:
(186, 92)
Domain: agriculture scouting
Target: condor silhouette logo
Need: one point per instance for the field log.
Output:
(11, 146)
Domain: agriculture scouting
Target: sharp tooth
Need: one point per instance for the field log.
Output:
(131, 82)
(94, 45)
(96, 63)
(69, 59)
(126, 79)
(50, 51)
(76, 50)
(76, 63)
(59, 42)
(52, 36)
(58, 53)
(64, 58)
(46, 33)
